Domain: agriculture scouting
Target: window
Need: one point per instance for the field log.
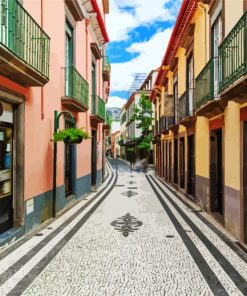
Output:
(190, 86)
(68, 58)
(175, 97)
(216, 37)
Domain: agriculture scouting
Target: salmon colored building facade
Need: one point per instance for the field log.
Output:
(200, 99)
(52, 58)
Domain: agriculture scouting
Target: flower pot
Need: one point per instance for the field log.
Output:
(67, 141)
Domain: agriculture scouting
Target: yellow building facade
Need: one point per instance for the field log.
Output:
(200, 98)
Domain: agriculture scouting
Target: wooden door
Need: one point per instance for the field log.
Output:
(191, 166)
(216, 181)
(182, 162)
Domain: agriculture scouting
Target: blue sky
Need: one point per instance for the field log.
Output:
(139, 32)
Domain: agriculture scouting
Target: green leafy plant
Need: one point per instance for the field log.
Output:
(143, 117)
(71, 135)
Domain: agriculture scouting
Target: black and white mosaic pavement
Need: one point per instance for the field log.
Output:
(108, 245)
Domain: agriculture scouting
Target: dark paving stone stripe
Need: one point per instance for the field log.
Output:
(23, 260)
(235, 276)
(237, 249)
(208, 274)
(29, 235)
(30, 277)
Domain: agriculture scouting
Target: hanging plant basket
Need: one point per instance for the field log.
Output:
(69, 141)
(71, 136)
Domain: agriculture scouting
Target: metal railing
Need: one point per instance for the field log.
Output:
(76, 87)
(207, 83)
(233, 54)
(20, 34)
(106, 65)
(165, 123)
(156, 126)
(186, 104)
(98, 107)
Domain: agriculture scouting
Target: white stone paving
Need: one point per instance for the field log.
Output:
(226, 251)
(99, 260)
(212, 262)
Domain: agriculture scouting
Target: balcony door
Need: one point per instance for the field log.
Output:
(10, 33)
(190, 86)
(68, 59)
(216, 40)
(94, 109)
(175, 97)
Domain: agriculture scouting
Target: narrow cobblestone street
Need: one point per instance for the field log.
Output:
(137, 239)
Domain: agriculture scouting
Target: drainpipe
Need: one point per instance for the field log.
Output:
(86, 31)
(42, 87)
(202, 7)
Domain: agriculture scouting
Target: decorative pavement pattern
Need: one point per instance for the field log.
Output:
(107, 245)
(126, 224)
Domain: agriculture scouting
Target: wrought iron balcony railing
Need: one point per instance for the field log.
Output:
(233, 54)
(156, 126)
(186, 104)
(207, 83)
(21, 35)
(98, 107)
(106, 68)
(76, 87)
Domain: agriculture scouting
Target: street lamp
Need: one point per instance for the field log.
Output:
(56, 127)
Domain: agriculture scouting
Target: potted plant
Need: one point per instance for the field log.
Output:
(71, 135)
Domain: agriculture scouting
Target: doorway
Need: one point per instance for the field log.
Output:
(170, 162)
(216, 177)
(245, 181)
(182, 162)
(6, 176)
(166, 161)
(191, 166)
(94, 158)
(175, 180)
(69, 165)
(163, 159)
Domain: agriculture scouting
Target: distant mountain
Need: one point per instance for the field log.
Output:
(115, 113)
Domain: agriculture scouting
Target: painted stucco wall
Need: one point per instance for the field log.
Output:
(233, 11)
(232, 168)
(38, 132)
(201, 39)
(181, 70)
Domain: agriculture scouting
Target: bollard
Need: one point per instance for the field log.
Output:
(116, 168)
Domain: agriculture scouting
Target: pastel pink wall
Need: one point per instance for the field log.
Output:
(38, 132)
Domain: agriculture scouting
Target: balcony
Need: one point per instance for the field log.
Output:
(165, 123)
(208, 103)
(98, 110)
(76, 91)
(233, 62)
(24, 46)
(186, 104)
(106, 69)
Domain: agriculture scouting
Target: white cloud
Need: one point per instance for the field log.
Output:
(115, 102)
(120, 23)
(151, 54)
